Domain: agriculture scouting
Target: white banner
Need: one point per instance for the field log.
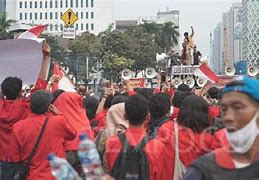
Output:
(69, 33)
(21, 58)
(181, 70)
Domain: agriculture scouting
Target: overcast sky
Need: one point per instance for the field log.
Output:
(203, 15)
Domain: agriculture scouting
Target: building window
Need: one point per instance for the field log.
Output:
(46, 4)
(82, 3)
(51, 27)
(50, 4)
(92, 3)
(77, 3)
(61, 14)
(86, 15)
(56, 3)
(40, 4)
(20, 16)
(50, 15)
(86, 3)
(46, 15)
(56, 27)
(76, 26)
(82, 15)
(92, 26)
(25, 4)
(20, 4)
(56, 15)
(86, 27)
(30, 4)
(92, 15)
(66, 3)
(82, 26)
(35, 16)
(25, 16)
(35, 4)
(71, 3)
(61, 3)
(77, 14)
(30, 16)
(40, 16)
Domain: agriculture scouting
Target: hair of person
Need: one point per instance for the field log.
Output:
(184, 88)
(185, 34)
(178, 98)
(159, 105)
(194, 113)
(118, 99)
(40, 101)
(56, 94)
(213, 92)
(145, 92)
(90, 104)
(11, 87)
(136, 108)
(108, 102)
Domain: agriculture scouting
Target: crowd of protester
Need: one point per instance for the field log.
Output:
(162, 133)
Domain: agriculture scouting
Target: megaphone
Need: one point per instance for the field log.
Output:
(189, 81)
(150, 73)
(230, 70)
(177, 81)
(252, 71)
(160, 57)
(201, 82)
(126, 74)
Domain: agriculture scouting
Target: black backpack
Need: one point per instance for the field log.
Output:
(132, 162)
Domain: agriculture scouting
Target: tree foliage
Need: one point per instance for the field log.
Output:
(4, 25)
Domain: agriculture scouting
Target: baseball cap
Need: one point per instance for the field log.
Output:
(40, 101)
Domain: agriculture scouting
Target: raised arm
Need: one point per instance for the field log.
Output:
(44, 70)
(192, 32)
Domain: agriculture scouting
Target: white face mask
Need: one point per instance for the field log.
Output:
(243, 139)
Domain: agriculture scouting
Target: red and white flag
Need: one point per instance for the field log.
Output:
(204, 72)
(33, 33)
(64, 83)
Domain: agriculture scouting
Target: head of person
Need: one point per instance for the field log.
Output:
(178, 98)
(186, 34)
(213, 94)
(11, 87)
(146, 92)
(90, 104)
(40, 102)
(194, 113)
(136, 109)
(108, 102)
(56, 94)
(240, 113)
(195, 48)
(118, 99)
(184, 88)
(159, 105)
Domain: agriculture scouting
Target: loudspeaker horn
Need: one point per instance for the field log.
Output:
(252, 71)
(126, 74)
(177, 81)
(150, 73)
(230, 70)
(160, 57)
(189, 81)
(201, 82)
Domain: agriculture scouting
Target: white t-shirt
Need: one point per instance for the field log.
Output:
(239, 165)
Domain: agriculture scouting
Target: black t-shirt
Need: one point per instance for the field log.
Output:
(196, 56)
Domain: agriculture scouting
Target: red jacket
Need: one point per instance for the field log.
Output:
(100, 120)
(153, 150)
(25, 134)
(191, 146)
(70, 104)
(12, 111)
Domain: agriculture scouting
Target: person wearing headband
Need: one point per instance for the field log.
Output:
(240, 116)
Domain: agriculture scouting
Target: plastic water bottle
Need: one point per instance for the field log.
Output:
(89, 157)
(61, 169)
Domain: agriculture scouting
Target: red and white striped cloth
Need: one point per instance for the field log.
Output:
(204, 72)
(33, 33)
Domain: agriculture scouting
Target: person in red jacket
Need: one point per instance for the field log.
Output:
(26, 132)
(240, 115)
(13, 107)
(136, 108)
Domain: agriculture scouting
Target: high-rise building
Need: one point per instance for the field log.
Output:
(94, 15)
(2, 6)
(250, 31)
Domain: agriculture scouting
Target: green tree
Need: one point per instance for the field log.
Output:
(169, 36)
(4, 25)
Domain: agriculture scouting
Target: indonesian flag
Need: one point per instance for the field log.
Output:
(64, 83)
(204, 72)
(33, 33)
